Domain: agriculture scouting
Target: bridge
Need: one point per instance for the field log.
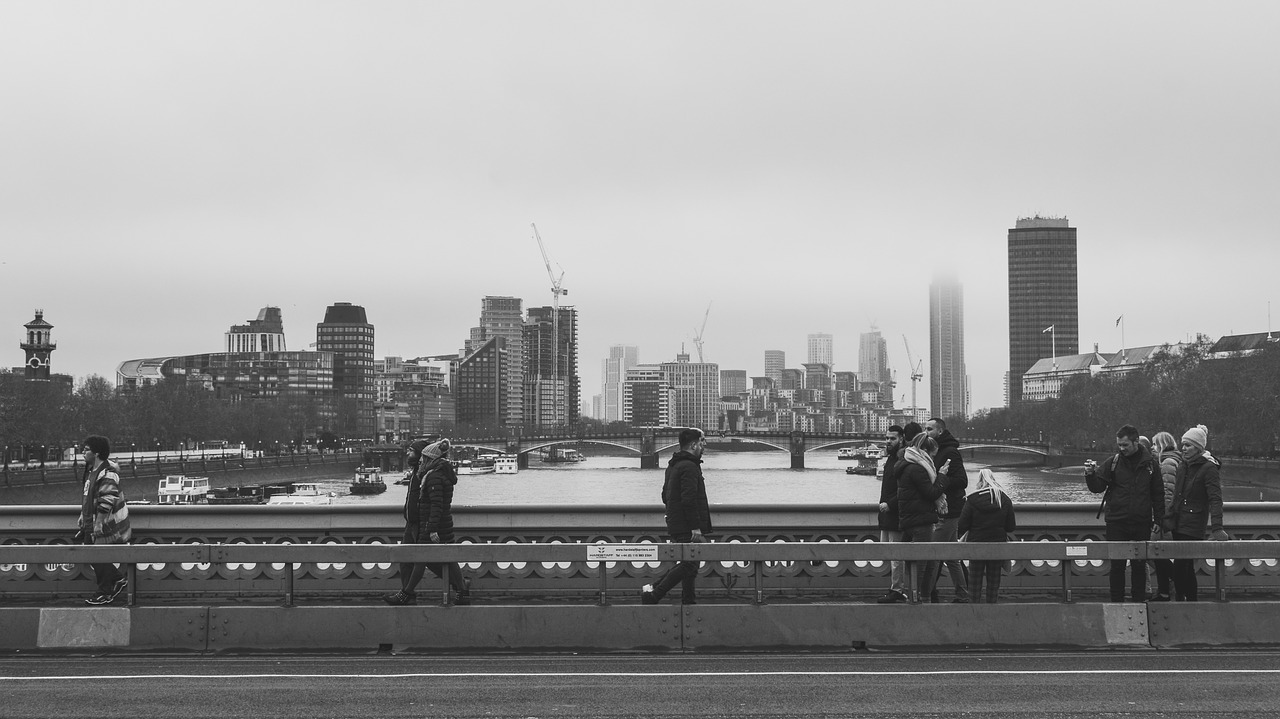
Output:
(648, 444)
(226, 578)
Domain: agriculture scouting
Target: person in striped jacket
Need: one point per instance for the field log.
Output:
(104, 516)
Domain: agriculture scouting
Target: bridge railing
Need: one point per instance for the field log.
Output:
(604, 560)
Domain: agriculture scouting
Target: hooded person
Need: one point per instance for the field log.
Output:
(987, 517)
(1196, 507)
(428, 514)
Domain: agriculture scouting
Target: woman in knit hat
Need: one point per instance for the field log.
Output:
(428, 518)
(1196, 507)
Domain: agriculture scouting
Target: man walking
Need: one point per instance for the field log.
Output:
(954, 481)
(1133, 495)
(888, 518)
(684, 493)
(104, 516)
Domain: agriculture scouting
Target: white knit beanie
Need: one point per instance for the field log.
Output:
(435, 450)
(1197, 435)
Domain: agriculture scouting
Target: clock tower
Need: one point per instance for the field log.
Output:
(39, 346)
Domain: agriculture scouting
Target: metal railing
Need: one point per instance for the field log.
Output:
(753, 557)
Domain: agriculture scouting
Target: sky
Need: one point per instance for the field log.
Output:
(168, 169)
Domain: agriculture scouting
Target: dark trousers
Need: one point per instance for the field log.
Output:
(105, 575)
(684, 573)
(411, 572)
(921, 533)
(1184, 573)
(1164, 576)
(1128, 532)
(945, 531)
(988, 570)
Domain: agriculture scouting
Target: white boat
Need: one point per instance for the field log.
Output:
(506, 464)
(181, 489)
(479, 465)
(368, 480)
(301, 493)
(560, 455)
(847, 453)
(873, 451)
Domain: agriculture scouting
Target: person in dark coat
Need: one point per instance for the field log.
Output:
(918, 492)
(104, 516)
(1196, 507)
(684, 494)
(1133, 498)
(954, 481)
(987, 517)
(888, 517)
(428, 514)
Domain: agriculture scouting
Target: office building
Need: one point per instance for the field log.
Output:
(733, 382)
(696, 391)
(873, 362)
(647, 397)
(1043, 293)
(503, 318)
(774, 362)
(551, 383)
(346, 333)
(479, 383)
(948, 394)
(264, 334)
(621, 358)
(821, 347)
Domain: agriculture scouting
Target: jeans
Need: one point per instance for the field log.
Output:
(945, 531)
(921, 533)
(1139, 531)
(106, 574)
(411, 572)
(896, 583)
(989, 570)
(1184, 573)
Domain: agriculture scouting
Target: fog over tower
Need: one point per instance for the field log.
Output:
(947, 391)
(1043, 293)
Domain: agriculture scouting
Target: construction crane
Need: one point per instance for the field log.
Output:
(697, 337)
(557, 289)
(916, 373)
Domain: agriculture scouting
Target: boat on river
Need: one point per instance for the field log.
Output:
(301, 493)
(181, 489)
(506, 464)
(847, 453)
(368, 480)
(480, 465)
(562, 455)
(247, 494)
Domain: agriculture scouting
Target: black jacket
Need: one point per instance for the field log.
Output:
(916, 495)
(435, 503)
(956, 480)
(1134, 491)
(684, 493)
(1197, 499)
(889, 493)
(984, 521)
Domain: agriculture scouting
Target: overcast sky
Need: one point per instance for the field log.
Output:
(167, 169)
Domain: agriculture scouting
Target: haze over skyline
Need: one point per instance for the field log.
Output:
(169, 169)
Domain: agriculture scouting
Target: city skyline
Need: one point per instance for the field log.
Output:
(170, 170)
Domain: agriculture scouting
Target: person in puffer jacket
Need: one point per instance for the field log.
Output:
(428, 514)
(987, 517)
(1165, 449)
(1196, 507)
(918, 491)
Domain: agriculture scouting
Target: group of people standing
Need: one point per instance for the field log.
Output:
(923, 498)
(1158, 490)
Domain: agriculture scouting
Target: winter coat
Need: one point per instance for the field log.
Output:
(956, 479)
(1132, 489)
(889, 493)
(684, 494)
(104, 515)
(1197, 499)
(435, 501)
(984, 521)
(916, 496)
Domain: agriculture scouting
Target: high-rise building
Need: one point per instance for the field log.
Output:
(733, 382)
(647, 398)
(265, 334)
(1043, 293)
(621, 358)
(774, 362)
(948, 393)
(346, 333)
(820, 349)
(873, 361)
(551, 383)
(479, 384)
(696, 391)
(503, 318)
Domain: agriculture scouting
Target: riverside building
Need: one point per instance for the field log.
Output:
(347, 333)
(1043, 293)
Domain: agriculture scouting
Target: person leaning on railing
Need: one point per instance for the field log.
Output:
(1133, 498)
(1197, 506)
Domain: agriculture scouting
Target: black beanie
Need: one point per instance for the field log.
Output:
(101, 446)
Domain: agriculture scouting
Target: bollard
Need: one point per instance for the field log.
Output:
(1066, 580)
(604, 585)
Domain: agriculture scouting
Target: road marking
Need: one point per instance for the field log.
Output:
(500, 675)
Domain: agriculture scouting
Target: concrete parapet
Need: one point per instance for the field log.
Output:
(1188, 624)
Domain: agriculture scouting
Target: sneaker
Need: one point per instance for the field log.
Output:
(1159, 598)
(688, 601)
(892, 597)
(98, 600)
(960, 600)
(399, 599)
(117, 588)
(647, 596)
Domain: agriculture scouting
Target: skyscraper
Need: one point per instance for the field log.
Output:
(1043, 293)
(774, 362)
(479, 386)
(733, 382)
(551, 386)
(873, 362)
(346, 333)
(820, 349)
(621, 358)
(503, 318)
(947, 391)
(696, 392)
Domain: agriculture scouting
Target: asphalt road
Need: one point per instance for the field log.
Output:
(1120, 683)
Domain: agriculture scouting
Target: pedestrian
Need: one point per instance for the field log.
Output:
(1133, 498)
(684, 494)
(918, 492)
(954, 480)
(1196, 507)
(104, 516)
(428, 513)
(888, 516)
(1165, 449)
(987, 517)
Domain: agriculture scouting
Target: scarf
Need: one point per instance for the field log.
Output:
(915, 455)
